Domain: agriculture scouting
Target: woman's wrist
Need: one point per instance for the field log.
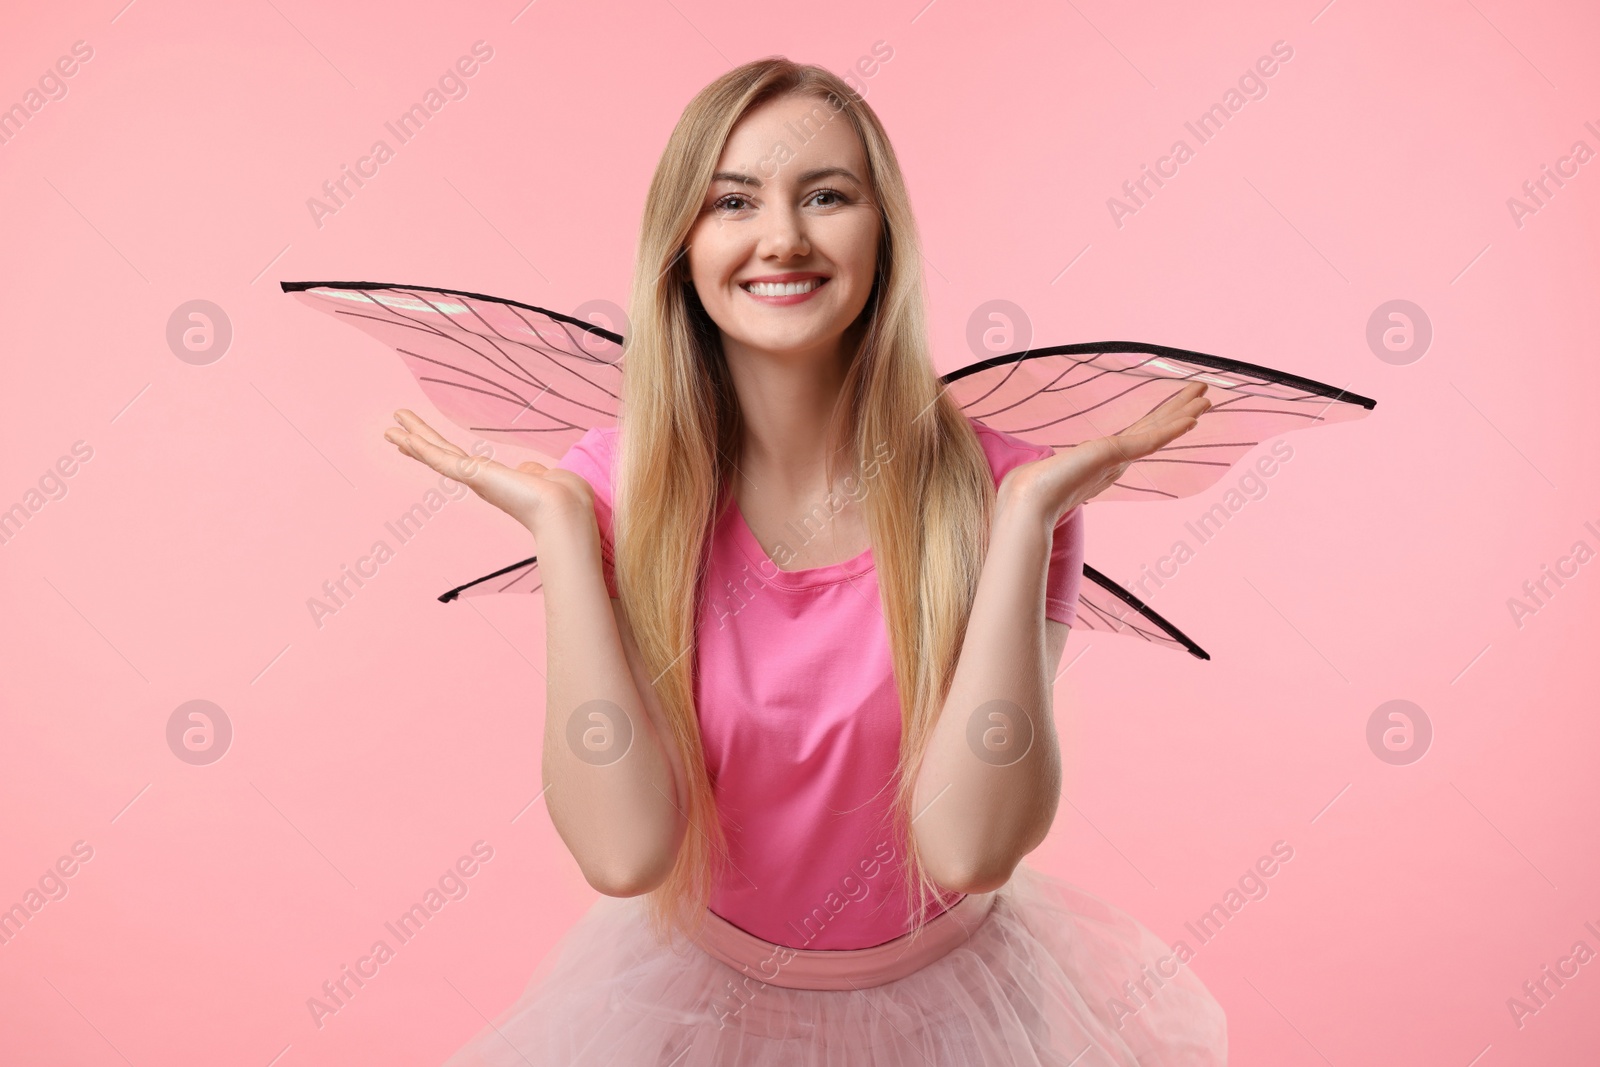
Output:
(564, 529)
(1020, 501)
(1022, 528)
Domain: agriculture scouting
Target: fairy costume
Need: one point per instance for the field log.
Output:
(803, 961)
(800, 719)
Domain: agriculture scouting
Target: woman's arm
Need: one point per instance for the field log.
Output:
(612, 776)
(991, 778)
(611, 782)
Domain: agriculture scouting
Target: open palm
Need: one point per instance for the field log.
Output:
(1061, 482)
(528, 492)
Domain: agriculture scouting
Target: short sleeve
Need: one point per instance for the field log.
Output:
(1066, 568)
(1065, 577)
(593, 458)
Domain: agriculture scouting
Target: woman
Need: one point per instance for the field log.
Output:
(803, 617)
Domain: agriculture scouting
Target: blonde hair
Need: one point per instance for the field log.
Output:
(928, 512)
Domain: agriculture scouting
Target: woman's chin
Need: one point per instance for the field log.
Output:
(792, 350)
(797, 340)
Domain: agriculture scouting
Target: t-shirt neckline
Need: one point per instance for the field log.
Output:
(768, 569)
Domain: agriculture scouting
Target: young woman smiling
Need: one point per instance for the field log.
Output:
(882, 700)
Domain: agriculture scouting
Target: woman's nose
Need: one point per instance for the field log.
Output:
(784, 235)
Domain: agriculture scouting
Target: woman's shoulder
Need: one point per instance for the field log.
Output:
(600, 440)
(594, 457)
(1006, 450)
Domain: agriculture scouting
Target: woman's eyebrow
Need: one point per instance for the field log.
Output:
(809, 176)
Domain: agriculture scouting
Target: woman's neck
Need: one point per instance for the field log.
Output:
(786, 401)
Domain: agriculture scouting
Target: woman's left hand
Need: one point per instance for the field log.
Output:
(1059, 483)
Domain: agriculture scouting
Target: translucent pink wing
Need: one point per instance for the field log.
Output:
(520, 577)
(1107, 607)
(1069, 394)
(504, 370)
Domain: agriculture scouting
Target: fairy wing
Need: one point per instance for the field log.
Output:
(1068, 394)
(519, 577)
(508, 371)
(1105, 606)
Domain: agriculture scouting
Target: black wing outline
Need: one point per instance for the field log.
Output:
(521, 573)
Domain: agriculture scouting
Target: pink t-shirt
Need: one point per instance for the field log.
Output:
(800, 718)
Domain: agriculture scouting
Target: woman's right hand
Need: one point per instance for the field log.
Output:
(531, 492)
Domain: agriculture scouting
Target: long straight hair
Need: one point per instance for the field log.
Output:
(928, 511)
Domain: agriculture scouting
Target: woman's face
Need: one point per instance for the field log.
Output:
(790, 204)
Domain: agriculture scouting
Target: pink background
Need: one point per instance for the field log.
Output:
(369, 754)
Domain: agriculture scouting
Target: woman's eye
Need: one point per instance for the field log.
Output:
(738, 201)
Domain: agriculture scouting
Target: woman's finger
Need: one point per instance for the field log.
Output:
(1178, 403)
(1172, 419)
(1137, 445)
(413, 424)
(451, 463)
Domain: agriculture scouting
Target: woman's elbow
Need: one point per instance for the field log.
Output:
(624, 881)
(630, 876)
(983, 864)
(967, 870)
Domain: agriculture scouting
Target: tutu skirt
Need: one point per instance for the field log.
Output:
(1048, 975)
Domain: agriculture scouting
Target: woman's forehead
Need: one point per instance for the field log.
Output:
(788, 136)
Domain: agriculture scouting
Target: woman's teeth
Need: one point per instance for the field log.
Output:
(783, 288)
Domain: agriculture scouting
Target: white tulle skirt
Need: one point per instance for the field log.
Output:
(1051, 975)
